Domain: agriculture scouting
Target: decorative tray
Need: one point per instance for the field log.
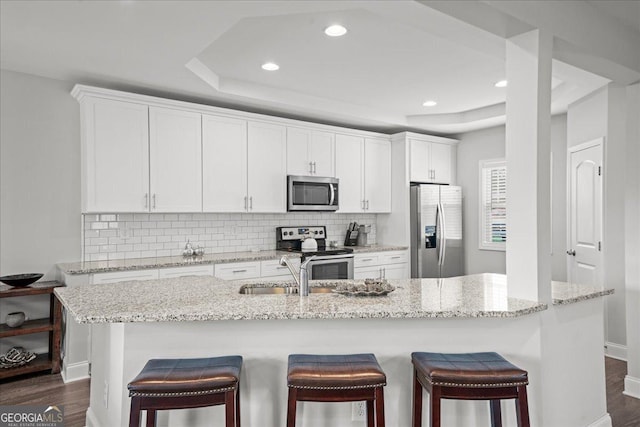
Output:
(16, 356)
(370, 288)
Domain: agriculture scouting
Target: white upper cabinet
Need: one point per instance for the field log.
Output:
(175, 147)
(431, 161)
(224, 164)
(377, 175)
(266, 167)
(364, 169)
(349, 170)
(310, 152)
(115, 165)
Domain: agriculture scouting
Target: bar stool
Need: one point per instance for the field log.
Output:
(186, 383)
(468, 376)
(336, 378)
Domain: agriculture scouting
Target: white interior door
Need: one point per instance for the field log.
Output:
(585, 213)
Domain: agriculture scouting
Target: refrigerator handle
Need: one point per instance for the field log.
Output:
(420, 239)
(443, 236)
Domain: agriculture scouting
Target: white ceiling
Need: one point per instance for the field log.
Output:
(396, 55)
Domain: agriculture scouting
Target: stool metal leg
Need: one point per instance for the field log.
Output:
(134, 415)
(417, 401)
(522, 407)
(435, 406)
(379, 407)
(291, 407)
(496, 414)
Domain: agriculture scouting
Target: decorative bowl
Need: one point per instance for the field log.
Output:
(370, 288)
(20, 280)
(15, 319)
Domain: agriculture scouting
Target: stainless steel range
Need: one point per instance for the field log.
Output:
(329, 263)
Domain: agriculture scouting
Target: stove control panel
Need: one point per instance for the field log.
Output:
(297, 233)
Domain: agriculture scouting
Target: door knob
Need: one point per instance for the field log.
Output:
(572, 253)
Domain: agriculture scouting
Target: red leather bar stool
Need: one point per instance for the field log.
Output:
(336, 378)
(186, 383)
(468, 376)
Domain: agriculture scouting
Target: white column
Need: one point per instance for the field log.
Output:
(528, 134)
(632, 242)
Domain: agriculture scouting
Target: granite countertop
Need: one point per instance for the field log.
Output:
(377, 248)
(180, 261)
(564, 293)
(209, 298)
(162, 262)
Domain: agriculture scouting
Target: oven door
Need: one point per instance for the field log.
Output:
(332, 267)
(312, 193)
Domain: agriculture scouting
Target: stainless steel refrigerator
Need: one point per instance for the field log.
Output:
(436, 231)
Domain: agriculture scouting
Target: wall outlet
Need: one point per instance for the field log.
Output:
(358, 411)
(105, 395)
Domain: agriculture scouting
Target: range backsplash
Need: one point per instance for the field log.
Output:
(123, 236)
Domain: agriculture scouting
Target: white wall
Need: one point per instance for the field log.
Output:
(490, 144)
(603, 114)
(40, 174)
(39, 187)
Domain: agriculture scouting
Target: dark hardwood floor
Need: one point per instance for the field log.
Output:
(624, 410)
(50, 390)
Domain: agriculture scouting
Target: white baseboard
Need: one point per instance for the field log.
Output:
(91, 420)
(631, 387)
(616, 351)
(74, 371)
(604, 421)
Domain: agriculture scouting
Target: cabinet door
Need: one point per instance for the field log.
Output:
(224, 164)
(175, 147)
(420, 170)
(374, 272)
(124, 276)
(298, 159)
(237, 271)
(377, 175)
(116, 156)
(193, 270)
(349, 159)
(267, 167)
(396, 271)
(322, 153)
(441, 163)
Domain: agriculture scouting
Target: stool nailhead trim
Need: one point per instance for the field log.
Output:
(182, 393)
(355, 387)
(497, 385)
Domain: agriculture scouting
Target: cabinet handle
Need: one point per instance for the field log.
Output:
(310, 167)
(314, 167)
(154, 200)
(367, 205)
(395, 257)
(251, 203)
(245, 203)
(146, 200)
(240, 271)
(366, 259)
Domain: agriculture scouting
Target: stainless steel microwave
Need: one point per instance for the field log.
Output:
(312, 193)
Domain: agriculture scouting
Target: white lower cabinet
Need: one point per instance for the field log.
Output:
(389, 265)
(274, 271)
(124, 276)
(193, 270)
(238, 270)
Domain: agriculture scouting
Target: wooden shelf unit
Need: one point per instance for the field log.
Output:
(49, 361)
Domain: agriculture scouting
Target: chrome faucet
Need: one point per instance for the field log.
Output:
(302, 277)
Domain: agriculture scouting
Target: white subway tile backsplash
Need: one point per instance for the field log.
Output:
(122, 236)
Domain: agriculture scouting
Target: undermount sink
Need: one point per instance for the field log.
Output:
(262, 289)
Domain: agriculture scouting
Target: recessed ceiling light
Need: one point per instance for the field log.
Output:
(335, 31)
(429, 103)
(501, 83)
(270, 66)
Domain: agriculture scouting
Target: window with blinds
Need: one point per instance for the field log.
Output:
(493, 204)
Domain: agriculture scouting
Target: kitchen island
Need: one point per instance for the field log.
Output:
(560, 346)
